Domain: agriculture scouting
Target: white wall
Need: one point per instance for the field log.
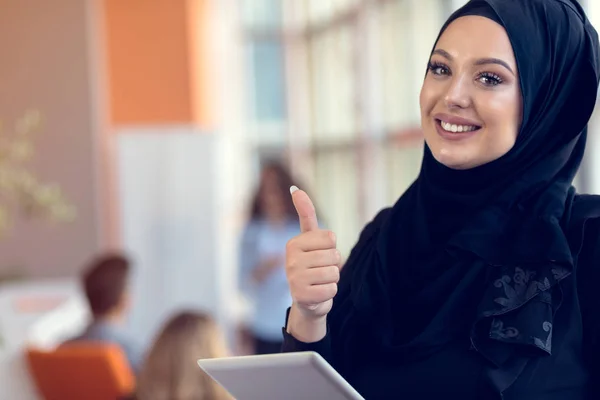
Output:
(168, 190)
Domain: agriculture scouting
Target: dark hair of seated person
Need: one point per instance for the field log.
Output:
(105, 282)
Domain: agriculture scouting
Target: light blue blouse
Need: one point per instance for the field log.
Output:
(270, 298)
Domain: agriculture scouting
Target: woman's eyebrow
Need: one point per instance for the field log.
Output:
(481, 61)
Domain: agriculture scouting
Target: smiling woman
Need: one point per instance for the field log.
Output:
(470, 100)
(479, 283)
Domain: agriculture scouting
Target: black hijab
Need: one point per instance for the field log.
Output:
(478, 253)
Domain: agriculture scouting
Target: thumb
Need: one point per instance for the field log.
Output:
(305, 209)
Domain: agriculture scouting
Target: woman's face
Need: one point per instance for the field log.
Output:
(470, 100)
(270, 196)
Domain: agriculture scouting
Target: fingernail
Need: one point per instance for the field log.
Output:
(293, 189)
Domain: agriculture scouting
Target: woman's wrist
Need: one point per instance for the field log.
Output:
(304, 328)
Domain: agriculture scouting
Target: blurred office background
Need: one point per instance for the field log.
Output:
(156, 116)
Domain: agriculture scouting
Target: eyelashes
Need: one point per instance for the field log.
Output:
(486, 78)
(437, 68)
(491, 79)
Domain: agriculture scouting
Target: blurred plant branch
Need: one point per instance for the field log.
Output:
(21, 193)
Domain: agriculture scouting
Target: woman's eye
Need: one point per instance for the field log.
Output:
(490, 79)
(438, 69)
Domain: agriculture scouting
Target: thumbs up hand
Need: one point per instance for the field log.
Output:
(312, 263)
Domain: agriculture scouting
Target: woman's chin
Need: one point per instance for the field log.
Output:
(453, 160)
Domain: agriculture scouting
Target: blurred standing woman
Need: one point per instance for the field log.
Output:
(262, 257)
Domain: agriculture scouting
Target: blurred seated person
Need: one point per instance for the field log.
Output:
(170, 371)
(105, 282)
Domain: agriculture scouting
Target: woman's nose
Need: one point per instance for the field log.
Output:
(458, 94)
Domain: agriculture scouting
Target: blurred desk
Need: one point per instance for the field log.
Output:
(35, 313)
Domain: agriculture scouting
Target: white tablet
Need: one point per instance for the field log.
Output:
(285, 376)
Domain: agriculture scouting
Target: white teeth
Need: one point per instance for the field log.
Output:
(457, 128)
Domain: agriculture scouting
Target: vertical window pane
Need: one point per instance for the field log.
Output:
(319, 10)
(404, 164)
(407, 33)
(592, 9)
(342, 6)
(588, 180)
(336, 188)
(333, 85)
(262, 14)
(395, 69)
(268, 81)
(295, 14)
(426, 20)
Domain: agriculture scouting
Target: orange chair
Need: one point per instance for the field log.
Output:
(81, 371)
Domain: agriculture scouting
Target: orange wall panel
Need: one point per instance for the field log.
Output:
(148, 61)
